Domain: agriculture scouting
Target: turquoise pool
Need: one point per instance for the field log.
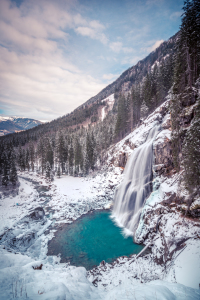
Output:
(90, 239)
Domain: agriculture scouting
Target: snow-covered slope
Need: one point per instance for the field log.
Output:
(167, 269)
(109, 101)
(23, 278)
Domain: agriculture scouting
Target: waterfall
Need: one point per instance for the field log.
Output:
(136, 185)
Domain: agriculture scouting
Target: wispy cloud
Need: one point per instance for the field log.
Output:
(33, 68)
(94, 31)
(155, 45)
(54, 55)
(176, 15)
(118, 47)
(110, 76)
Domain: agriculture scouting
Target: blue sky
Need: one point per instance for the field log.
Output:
(55, 55)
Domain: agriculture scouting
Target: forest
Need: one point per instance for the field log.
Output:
(66, 146)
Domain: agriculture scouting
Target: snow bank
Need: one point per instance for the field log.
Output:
(20, 279)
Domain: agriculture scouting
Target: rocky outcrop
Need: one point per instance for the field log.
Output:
(163, 163)
(163, 158)
(122, 159)
(37, 214)
(25, 231)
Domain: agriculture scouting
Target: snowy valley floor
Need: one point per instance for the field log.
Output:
(168, 269)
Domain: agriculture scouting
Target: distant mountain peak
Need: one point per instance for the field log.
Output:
(16, 124)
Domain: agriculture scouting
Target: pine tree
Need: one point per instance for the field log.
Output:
(191, 152)
(49, 157)
(27, 165)
(136, 103)
(20, 158)
(48, 170)
(5, 175)
(122, 117)
(61, 151)
(58, 171)
(23, 159)
(78, 157)
(143, 110)
(160, 88)
(41, 154)
(147, 91)
(13, 170)
(32, 155)
(71, 158)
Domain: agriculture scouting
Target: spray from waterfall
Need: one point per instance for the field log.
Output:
(136, 185)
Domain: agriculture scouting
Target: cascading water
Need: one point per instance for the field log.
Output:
(136, 186)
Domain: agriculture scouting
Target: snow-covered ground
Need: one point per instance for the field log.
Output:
(14, 208)
(169, 269)
(109, 102)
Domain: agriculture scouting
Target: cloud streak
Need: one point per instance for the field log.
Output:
(55, 55)
(155, 45)
(36, 79)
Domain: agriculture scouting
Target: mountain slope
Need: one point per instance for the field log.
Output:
(89, 112)
(137, 72)
(14, 124)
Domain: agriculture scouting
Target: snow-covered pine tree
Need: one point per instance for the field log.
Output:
(78, 157)
(143, 110)
(32, 155)
(71, 158)
(13, 170)
(27, 157)
(191, 151)
(49, 157)
(136, 103)
(58, 171)
(5, 169)
(48, 170)
(41, 153)
(61, 151)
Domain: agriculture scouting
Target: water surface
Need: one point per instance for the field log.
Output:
(91, 239)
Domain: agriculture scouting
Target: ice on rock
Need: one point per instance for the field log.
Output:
(136, 185)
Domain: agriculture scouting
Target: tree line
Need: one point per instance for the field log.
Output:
(185, 98)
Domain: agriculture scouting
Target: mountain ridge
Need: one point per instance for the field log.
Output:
(88, 112)
(15, 124)
(127, 74)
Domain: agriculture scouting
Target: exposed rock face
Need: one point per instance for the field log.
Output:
(37, 214)
(25, 231)
(122, 159)
(163, 163)
(163, 157)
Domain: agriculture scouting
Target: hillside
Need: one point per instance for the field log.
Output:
(136, 74)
